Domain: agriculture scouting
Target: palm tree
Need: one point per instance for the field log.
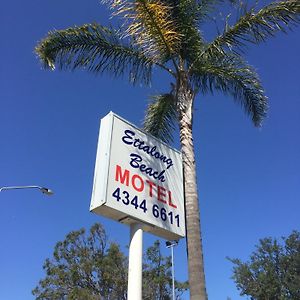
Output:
(167, 35)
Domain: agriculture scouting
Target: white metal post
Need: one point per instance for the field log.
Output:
(173, 273)
(172, 244)
(134, 291)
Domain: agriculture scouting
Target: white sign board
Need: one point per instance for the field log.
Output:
(138, 179)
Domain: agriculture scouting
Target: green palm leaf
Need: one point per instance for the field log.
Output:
(187, 14)
(150, 25)
(96, 48)
(256, 27)
(161, 117)
(231, 75)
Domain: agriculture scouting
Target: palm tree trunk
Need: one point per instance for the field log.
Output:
(185, 99)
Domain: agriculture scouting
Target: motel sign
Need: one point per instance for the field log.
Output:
(138, 179)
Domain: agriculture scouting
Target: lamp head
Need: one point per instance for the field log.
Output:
(46, 191)
(171, 243)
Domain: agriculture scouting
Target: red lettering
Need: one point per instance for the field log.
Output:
(170, 200)
(133, 181)
(138, 183)
(122, 177)
(161, 193)
(151, 184)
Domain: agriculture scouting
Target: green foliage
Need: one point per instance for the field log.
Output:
(85, 266)
(151, 24)
(231, 75)
(273, 271)
(257, 26)
(168, 34)
(157, 276)
(161, 117)
(95, 48)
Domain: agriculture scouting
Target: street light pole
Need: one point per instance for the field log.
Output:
(172, 244)
(44, 190)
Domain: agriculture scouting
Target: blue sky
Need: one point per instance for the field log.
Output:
(248, 178)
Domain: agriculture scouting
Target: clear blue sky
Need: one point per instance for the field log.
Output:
(248, 178)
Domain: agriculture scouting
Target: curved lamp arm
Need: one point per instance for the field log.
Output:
(44, 190)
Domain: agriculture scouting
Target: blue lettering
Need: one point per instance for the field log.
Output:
(135, 162)
(127, 139)
(135, 159)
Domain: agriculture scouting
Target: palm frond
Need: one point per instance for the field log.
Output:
(256, 27)
(150, 24)
(231, 75)
(161, 117)
(206, 8)
(186, 14)
(95, 48)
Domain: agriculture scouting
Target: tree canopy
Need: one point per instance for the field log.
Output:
(87, 266)
(273, 271)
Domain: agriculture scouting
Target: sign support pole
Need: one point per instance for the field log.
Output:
(134, 291)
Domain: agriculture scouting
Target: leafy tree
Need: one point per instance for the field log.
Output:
(87, 267)
(84, 267)
(169, 35)
(157, 276)
(273, 271)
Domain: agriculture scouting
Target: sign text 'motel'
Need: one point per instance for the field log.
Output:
(138, 179)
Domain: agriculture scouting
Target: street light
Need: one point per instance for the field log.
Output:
(44, 190)
(172, 244)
